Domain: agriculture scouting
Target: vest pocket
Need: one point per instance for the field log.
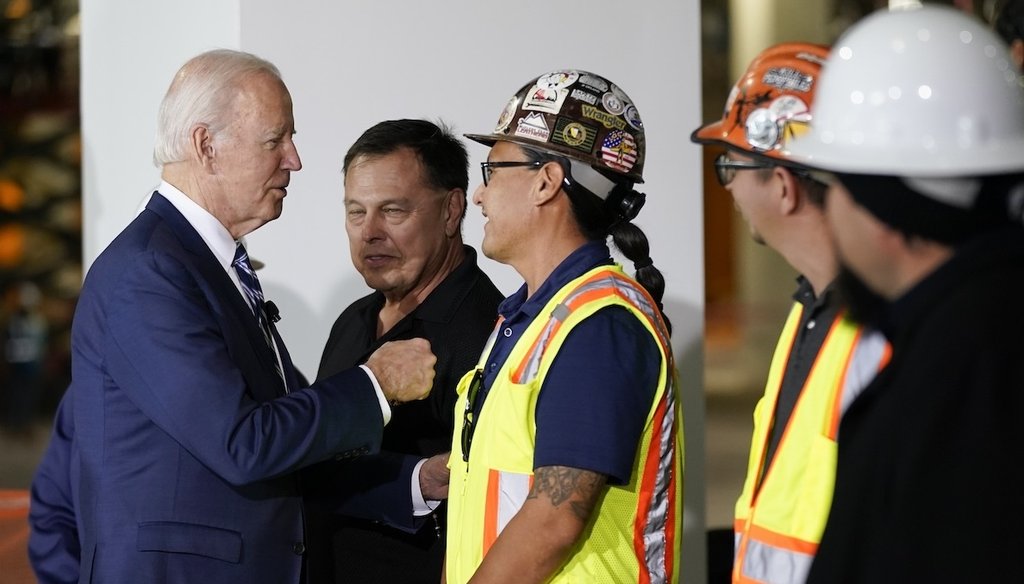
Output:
(510, 426)
(817, 489)
(190, 538)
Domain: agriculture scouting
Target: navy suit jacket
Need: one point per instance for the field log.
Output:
(175, 448)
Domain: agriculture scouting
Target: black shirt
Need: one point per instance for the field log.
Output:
(929, 473)
(456, 318)
(819, 313)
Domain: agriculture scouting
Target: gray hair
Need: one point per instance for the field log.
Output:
(200, 94)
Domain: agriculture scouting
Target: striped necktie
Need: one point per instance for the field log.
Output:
(254, 295)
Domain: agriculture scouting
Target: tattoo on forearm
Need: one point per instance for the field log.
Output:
(581, 488)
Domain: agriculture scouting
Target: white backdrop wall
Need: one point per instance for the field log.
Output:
(130, 51)
(350, 65)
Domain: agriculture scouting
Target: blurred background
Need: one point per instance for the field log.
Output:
(748, 288)
(40, 221)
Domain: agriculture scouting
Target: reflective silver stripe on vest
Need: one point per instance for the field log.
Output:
(656, 525)
(767, 563)
(863, 365)
(532, 367)
(656, 546)
(561, 312)
(512, 491)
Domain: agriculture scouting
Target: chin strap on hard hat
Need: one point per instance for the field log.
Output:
(618, 198)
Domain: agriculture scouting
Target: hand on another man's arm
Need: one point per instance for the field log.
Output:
(404, 369)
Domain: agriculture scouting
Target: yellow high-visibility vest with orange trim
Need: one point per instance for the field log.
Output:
(634, 532)
(779, 523)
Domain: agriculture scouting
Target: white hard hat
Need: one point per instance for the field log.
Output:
(926, 92)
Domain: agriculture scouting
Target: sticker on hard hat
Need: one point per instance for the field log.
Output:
(599, 115)
(788, 79)
(612, 103)
(558, 79)
(545, 99)
(794, 129)
(618, 150)
(534, 127)
(619, 93)
(584, 96)
(788, 106)
(772, 126)
(633, 117)
(574, 135)
(762, 131)
(594, 82)
(506, 115)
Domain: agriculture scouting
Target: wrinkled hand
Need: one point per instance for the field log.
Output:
(434, 477)
(404, 369)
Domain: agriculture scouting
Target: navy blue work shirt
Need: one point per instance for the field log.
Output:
(596, 396)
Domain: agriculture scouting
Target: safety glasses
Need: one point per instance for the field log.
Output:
(725, 168)
(486, 168)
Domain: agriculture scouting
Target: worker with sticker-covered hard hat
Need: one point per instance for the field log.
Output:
(918, 128)
(823, 358)
(566, 461)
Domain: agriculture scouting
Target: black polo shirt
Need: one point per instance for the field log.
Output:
(818, 315)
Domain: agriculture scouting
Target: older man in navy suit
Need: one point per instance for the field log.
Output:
(175, 448)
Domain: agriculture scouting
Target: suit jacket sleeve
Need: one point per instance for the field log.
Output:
(378, 488)
(178, 355)
(53, 546)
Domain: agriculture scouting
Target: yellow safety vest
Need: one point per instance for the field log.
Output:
(779, 523)
(635, 530)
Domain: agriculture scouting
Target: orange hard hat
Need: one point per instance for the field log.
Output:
(771, 102)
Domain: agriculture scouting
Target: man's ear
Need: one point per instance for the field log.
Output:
(201, 147)
(548, 183)
(790, 198)
(454, 209)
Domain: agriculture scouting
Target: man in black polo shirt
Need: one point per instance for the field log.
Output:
(405, 198)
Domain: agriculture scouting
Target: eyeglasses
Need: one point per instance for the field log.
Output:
(469, 416)
(486, 168)
(725, 168)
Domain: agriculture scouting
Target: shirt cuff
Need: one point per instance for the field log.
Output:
(420, 507)
(385, 409)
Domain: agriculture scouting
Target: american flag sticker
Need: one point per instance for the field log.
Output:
(619, 150)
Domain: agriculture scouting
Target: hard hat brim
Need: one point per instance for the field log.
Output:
(1003, 157)
(485, 139)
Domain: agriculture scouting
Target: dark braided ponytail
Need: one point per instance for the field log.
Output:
(598, 219)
